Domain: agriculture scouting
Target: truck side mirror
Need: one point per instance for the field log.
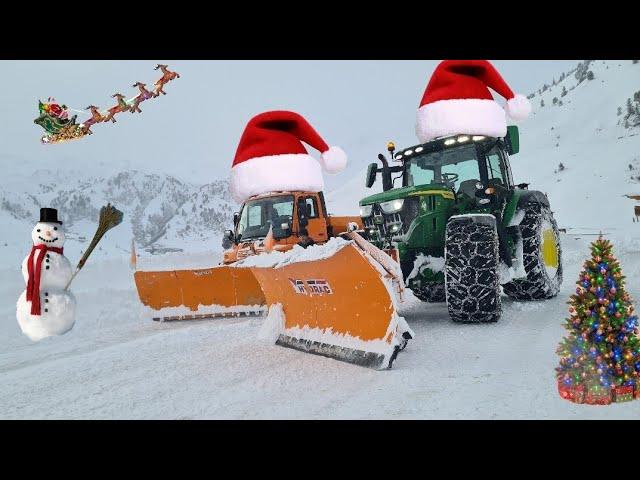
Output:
(512, 139)
(283, 232)
(227, 239)
(372, 171)
(236, 218)
(303, 221)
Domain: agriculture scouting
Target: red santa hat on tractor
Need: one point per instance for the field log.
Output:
(457, 100)
(271, 156)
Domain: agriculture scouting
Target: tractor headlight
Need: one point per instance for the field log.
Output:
(365, 210)
(393, 206)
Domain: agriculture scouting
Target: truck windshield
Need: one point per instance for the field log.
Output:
(258, 215)
(450, 167)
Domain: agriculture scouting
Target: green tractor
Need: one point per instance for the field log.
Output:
(461, 228)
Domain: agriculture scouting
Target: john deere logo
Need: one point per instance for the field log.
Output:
(311, 287)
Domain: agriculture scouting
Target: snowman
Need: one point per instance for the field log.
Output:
(46, 308)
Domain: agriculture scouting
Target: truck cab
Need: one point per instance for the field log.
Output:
(282, 220)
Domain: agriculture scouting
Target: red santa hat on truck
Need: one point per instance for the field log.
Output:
(271, 156)
(457, 100)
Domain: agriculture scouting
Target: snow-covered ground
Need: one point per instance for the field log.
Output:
(114, 364)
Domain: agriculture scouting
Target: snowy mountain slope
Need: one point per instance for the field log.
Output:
(155, 208)
(585, 134)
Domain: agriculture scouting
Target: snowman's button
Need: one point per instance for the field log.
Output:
(47, 260)
(46, 300)
(47, 255)
(46, 309)
(46, 294)
(47, 267)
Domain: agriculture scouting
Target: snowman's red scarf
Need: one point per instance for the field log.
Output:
(33, 284)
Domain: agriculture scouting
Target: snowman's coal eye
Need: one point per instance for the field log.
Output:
(55, 228)
(38, 230)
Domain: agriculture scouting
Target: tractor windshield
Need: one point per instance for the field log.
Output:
(451, 167)
(258, 216)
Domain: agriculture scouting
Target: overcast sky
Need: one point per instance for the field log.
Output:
(193, 131)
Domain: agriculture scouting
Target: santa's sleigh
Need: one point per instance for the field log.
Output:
(59, 129)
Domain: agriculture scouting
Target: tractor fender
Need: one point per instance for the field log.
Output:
(482, 218)
(519, 199)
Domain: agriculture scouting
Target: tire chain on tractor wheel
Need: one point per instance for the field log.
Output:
(537, 285)
(471, 272)
(430, 292)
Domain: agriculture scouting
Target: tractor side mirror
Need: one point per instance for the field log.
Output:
(303, 220)
(227, 239)
(372, 171)
(512, 139)
(236, 218)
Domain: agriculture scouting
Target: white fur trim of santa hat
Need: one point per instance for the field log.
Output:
(334, 160)
(470, 116)
(276, 173)
(519, 107)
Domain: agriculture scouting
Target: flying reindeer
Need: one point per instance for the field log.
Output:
(167, 76)
(141, 97)
(96, 117)
(120, 107)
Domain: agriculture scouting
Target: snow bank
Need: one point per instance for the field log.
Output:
(422, 262)
(273, 325)
(295, 255)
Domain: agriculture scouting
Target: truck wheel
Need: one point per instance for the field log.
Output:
(471, 269)
(542, 255)
(430, 292)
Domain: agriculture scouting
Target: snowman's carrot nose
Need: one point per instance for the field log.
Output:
(48, 234)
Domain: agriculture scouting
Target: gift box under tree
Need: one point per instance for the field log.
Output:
(598, 395)
(573, 393)
(623, 393)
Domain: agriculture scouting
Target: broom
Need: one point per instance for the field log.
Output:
(110, 217)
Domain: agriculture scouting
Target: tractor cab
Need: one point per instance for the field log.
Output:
(474, 168)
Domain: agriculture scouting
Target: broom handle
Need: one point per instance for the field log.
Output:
(71, 279)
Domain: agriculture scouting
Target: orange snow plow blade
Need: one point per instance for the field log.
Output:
(337, 300)
(196, 294)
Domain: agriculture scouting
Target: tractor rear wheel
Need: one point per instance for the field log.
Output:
(471, 269)
(542, 256)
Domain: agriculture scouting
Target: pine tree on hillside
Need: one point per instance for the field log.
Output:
(541, 103)
(590, 75)
(564, 91)
(600, 356)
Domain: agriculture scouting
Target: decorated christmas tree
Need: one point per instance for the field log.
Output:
(600, 357)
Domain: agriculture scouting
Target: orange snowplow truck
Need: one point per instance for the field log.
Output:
(278, 221)
(336, 298)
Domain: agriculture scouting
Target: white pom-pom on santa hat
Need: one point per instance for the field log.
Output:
(457, 100)
(333, 160)
(271, 156)
(519, 107)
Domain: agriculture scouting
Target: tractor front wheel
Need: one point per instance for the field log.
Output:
(542, 256)
(471, 269)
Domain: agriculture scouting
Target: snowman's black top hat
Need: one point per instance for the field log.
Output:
(49, 215)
